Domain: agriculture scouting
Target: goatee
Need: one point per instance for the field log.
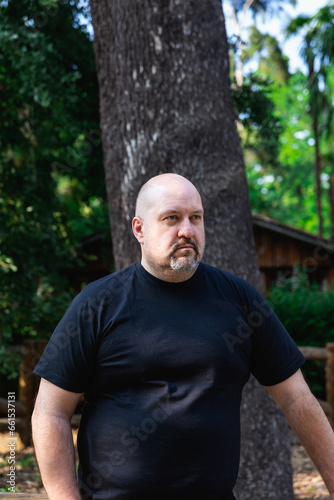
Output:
(186, 262)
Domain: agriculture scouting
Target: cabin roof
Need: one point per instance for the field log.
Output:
(291, 232)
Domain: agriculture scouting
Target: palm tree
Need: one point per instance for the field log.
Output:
(272, 61)
(317, 52)
(239, 9)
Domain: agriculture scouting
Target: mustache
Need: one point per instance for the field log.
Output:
(185, 241)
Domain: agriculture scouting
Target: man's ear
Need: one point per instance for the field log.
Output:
(137, 228)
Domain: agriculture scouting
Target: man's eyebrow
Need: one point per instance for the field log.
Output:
(176, 211)
(198, 211)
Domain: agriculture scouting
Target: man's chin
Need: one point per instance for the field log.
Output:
(182, 264)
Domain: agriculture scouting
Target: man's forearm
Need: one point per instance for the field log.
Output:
(311, 426)
(52, 436)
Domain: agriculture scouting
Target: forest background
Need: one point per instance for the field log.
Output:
(52, 186)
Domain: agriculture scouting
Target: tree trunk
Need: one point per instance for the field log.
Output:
(165, 106)
(331, 204)
(318, 174)
(314, 111)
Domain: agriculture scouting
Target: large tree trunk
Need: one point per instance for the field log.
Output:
(166, 106)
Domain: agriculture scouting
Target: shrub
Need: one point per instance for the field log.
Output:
(307, 314)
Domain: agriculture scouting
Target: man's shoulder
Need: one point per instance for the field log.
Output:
(228, 280)
(222, 274)
(115, 281)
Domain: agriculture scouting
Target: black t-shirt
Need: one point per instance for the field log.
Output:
(162, 366)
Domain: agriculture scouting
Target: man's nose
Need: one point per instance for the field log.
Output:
(186, 229)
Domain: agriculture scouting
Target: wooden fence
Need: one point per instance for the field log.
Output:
(28, 386)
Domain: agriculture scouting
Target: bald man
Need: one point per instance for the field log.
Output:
(162, 351)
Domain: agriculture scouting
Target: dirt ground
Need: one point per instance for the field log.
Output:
(308, 484)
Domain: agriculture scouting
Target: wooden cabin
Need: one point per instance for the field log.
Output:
(280, 248)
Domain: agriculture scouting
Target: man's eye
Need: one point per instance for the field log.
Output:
(196, 217)
(171, 217)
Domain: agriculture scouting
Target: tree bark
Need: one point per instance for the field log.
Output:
(314, 109)
(318, 174)
(265, 466)
(331, 204)
(166, 106)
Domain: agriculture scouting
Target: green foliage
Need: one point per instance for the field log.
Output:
(49, 138)
(275, 116)
(307, 314)
(305, 311)
(27, 460)
(285, 190)
(279, 150)
(258, 124)
(317, 51)
(272, 63)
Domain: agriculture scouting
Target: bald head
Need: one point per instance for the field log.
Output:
(169, 225)
(160, 185)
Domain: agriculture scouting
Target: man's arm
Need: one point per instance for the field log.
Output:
(52, 436)
(308, 421)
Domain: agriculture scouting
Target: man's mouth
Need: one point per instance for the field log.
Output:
(185, 246)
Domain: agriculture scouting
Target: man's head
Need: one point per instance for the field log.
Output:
(169, 226)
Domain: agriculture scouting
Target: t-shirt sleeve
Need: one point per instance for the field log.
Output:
(70, 355)
(275, 356)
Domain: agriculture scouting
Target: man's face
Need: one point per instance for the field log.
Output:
(173, 237)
